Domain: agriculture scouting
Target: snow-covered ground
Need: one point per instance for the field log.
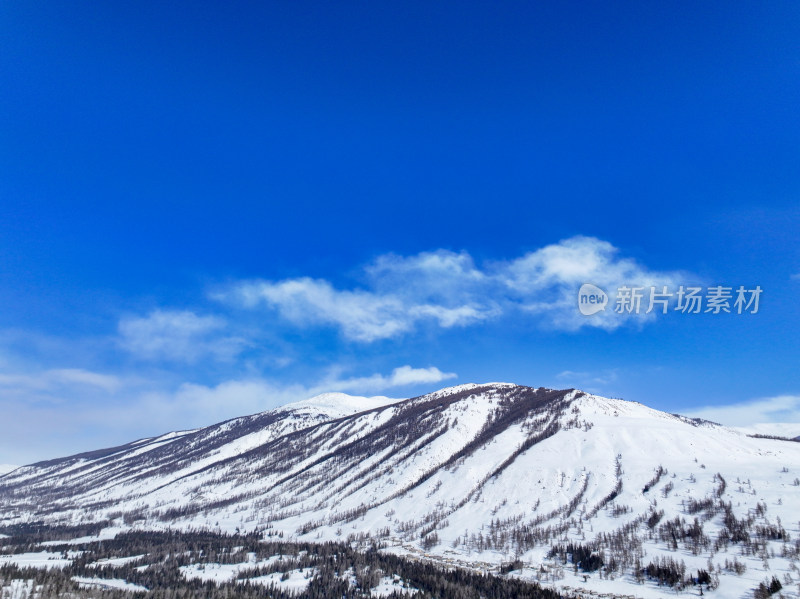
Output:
(39, 559)
(18, 589)
(292, 580)
(114, 562)
(111, 584)
(225, 572)
(391, 584)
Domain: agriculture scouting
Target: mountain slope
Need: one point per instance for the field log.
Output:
(475, 474)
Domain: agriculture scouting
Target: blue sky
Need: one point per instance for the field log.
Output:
(211, 211)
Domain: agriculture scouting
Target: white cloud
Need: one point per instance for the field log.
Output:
(96, 418)
(448, 289)
(438, 277)
(573, 261)
(177, 335)
(193, 405)
(587, 381)
(795, 277)
(79, 376)
(196, 405)
(400, 377)
(545, 282)
(361, 315)
(208, 404)
(779, 409)
(406, 375)
(47, 384)
(458, 316)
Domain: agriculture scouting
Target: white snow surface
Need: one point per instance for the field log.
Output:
(292, 581)
(338, 405)
(224, 572)
(111, 584)
(18, 589)
(391, 584)
(39, 559)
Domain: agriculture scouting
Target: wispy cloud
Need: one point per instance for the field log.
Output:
(400, 377)
(361, 315)
(779, 409)
(441, 277)
(79, 376)
(181, 336)
(205, 404)
(448, 289)
(49, 384)
(104, 410)
(588, 381)
(545, 282)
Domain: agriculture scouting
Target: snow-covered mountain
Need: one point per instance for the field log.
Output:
(477, 475)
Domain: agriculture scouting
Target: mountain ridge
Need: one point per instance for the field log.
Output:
(471, 474)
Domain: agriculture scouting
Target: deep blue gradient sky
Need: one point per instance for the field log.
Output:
(344, 160)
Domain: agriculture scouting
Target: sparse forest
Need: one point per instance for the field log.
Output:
(158, 560)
